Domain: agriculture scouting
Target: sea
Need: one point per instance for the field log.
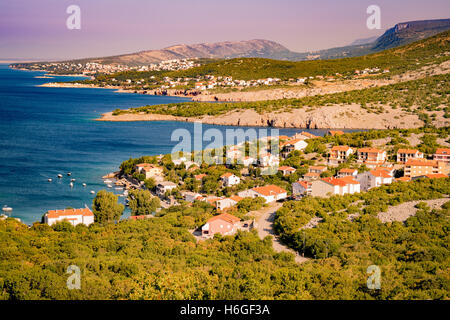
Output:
(46, 131)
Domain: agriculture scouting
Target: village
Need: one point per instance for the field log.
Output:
(267, 179)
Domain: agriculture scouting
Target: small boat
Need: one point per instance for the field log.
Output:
(71, 184)
(92, 192)
(73, 180)
(118, 188)
(84, 184)
(69, 173)
(7, 209)
(107, 181)
(109, 186)
(50, 180)
(60, 176)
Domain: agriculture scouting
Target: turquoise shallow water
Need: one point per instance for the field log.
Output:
(47, 131)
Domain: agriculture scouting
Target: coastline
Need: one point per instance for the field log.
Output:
(328, 117)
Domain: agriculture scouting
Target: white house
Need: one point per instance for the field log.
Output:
(74, 216)
(222, 204)
(374, 178)
(286, 170)
(294, 144)
(268, 160)
(191, 196)
(270, 193)
(164, 186)
(230, 179)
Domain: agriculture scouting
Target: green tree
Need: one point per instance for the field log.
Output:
(106, 208)
(142, 202)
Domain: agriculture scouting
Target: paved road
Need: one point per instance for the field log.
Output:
(264, 220)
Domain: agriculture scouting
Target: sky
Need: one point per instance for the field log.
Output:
(31, 29)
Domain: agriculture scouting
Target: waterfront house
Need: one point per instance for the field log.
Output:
(74, 216)
(149, 170)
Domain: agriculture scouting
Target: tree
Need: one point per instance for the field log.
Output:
(150, 183)
(142, 202)
(106, 208)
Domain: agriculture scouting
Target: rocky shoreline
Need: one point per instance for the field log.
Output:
(327, 117)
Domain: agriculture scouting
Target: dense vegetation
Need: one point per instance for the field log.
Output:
(429, 94)
(159, 259)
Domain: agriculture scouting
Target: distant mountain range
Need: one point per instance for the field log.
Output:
(400, 34)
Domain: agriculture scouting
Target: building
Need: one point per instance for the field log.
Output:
(150, 170)
(371, 157)
(374, 178)
(230, 179)
(247, 161)
(191, 196)
(74, 216)
(199, 177)
(293, 144)
(301, 188)
(225, 224)
(345, 172)
(339, 154)
(305, 135)
(442, 154)
(422, 167)
(222, 204)
(311, 176)
(334, 186)
(270, 193)
(317, 169)
(286, 170)
(164, 186)
(335, 133)
(268, 160)
(403, 155)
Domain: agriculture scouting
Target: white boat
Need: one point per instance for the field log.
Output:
(109, 186)
(69, 173)
(50, 180)
(118, 188)
(92, 192)
(107, 181)
(60, 176)
(71, 184)
(73, 180)
(84, 184)
(7, 209)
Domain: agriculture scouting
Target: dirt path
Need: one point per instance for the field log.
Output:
(264, 220)
(405, 210)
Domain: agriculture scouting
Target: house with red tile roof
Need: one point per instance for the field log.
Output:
(225, 224)
(403, 155)
(270, 193)
(286, 170)
(339, 154)
(199, 177)
(423, 167)
(442, 154)
(149, 170)
(74, 216)
(301, 188)
(374, 178)
(371, 157)
(334, 186)
(345, 172)
(229, 179)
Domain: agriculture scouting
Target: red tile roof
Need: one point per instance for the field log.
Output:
(421, 163)
(380, 173)
(269, 190)
(69, 212)
(226, 217)
(340, 181)
(340, 148)
(443, 151)
(347, 170)
(408, 151)
(436, 176)
(370, 150)
(285, 168)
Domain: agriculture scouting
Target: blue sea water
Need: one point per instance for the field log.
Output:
(49, 131)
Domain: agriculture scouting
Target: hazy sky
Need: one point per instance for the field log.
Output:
(31, 29)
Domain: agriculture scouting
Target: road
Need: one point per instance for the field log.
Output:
(264, 220)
